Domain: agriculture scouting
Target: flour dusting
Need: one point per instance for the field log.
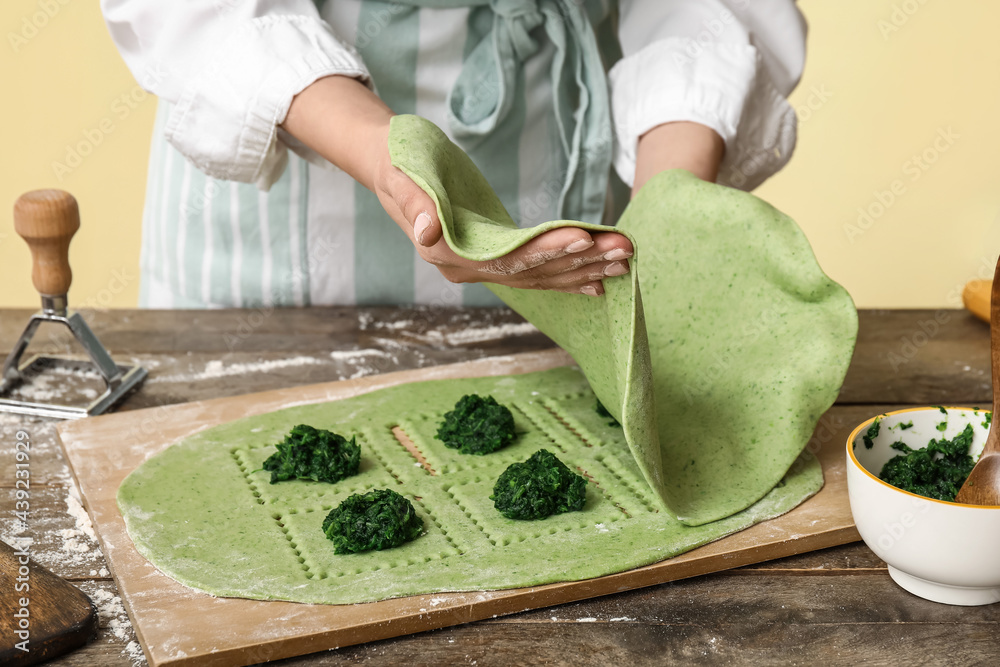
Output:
(217, 369)
(80, 516)
(465, 336)
(112, 617)
(472, 335)
(78, 547)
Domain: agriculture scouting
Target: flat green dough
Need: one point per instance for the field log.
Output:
(744, 344)
(204, 513)
(718, 388)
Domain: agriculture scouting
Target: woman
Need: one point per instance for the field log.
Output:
(269, 175)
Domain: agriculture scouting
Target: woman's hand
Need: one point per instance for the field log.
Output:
(342, 120)
(565, 260)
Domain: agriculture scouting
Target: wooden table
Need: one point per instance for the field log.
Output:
(837, 606)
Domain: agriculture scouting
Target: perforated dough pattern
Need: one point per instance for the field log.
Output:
(204, 512)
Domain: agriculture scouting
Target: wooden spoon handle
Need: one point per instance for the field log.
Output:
(993, 439)
(47, 221)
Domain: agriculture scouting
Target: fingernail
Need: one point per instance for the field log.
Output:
(589, 290)
(617, 253)
(579, 246)
(616, 269)
(420, 226)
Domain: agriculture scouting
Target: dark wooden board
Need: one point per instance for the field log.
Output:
(722, 619)
(903, 356)
(103, 450)
(41, 616)
(730, 618)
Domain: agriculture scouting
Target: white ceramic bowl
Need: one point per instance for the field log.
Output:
(941, 551)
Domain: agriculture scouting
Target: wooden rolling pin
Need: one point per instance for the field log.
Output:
(976, 297)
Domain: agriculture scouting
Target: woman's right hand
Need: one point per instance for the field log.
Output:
(568, 259)
(345, 122)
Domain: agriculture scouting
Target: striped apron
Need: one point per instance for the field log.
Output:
(520, 85)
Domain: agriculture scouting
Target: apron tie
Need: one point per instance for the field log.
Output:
(484, 92)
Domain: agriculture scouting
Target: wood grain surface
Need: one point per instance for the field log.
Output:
(41, 616)
(170, 618)
(836, 606)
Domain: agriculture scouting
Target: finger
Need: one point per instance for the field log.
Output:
(612, 240)
(577, 278)
(607, 248)
(544, 248)
(595, 288)
(408, 202)
(427, 229)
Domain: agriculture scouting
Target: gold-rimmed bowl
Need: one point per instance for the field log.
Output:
(941, 551)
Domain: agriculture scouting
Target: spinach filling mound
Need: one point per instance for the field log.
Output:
(936, 471)
(477, 425)
(539, 487)
(373, 521)
(314, 454)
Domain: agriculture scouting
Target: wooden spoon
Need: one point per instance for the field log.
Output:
(983, 485)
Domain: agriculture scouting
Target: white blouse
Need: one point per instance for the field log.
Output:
(229, 70)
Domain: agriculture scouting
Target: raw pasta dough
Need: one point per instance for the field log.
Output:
(742, 345)
(201, 514)
(718, 383)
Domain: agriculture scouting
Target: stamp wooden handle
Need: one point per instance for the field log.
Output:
(47, 221)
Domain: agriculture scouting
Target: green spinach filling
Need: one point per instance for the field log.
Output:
(314, 454)
(539, 487)
(477, 425)
(377, 520)
(936, 471)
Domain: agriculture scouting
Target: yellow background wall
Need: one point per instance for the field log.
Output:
(886, 83)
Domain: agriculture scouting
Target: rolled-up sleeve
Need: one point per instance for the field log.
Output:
(230, 70)
(727, 64)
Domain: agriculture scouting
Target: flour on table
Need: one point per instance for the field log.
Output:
(354, 355)
(79, 545)
(80, 516)
(112, 616)
(217, 369)
(465, 336)
(472, 335)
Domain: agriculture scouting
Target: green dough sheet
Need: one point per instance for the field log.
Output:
(718, 353)
(743, 345)
(204, 513)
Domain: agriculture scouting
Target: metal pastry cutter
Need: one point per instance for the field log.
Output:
(47, 221)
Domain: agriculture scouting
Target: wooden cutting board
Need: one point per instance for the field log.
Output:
(179, 626)
(41, 616)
